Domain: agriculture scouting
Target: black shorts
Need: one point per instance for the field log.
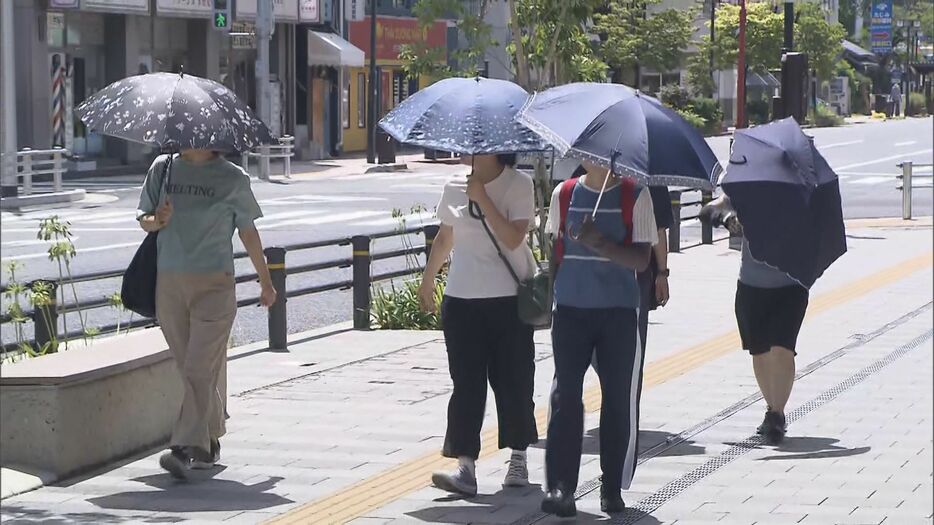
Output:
(770, 317)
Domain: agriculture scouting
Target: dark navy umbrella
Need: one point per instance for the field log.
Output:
(787, 198)
(174, 110)
(469, 116)
(615, 124)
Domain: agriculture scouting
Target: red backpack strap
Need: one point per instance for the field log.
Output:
(564, 204)
(628, 198)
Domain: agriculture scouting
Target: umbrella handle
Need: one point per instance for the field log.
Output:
(744, 161)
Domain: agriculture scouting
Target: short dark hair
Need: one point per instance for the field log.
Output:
(506, 159)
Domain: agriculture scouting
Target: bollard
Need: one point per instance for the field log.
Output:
(361, 282)
(289, 140)
(45, 315)
(278, 315)
(906, 190)
(431, 231)
(264, 163)
(674, 233)
(706, 227)
(57, 168)
(27, 171)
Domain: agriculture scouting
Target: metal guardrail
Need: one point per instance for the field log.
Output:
(30, 162)
(907, 178)
(285, 150)
(360, 261)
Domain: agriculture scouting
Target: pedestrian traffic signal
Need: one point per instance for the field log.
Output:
(221, 18)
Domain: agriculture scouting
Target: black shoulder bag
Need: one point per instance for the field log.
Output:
(534, 294)
(138, 291)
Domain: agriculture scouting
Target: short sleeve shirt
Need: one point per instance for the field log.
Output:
(210, 201)
(661, 205)
(476, 269)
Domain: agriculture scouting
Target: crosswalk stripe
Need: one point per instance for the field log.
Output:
(326, 219)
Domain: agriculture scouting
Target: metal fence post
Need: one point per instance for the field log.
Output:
(361, 282)
(431, 231)
(906, 190)
(706, 227)
(45, 316)
(289, 147)
(27, 171)
(278, 315)
(57, 168)
(674, 233)
(264, 163)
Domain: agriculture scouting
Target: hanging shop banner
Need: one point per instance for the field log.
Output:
(392, 33)
(187, 8)
(117, 6)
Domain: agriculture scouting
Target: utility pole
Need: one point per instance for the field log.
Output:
(713, 22)
(741, 69)
(7, 105)
(789, 27)
(371, 92)
(264, 27)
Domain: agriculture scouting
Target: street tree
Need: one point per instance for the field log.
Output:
(420, 59)
(631, 38)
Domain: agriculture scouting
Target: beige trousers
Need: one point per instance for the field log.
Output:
(196, 313)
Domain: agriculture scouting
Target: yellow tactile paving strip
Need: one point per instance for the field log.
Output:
(372, 493)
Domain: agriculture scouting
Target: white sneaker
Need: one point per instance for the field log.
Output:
(517, 475)
(461, 481)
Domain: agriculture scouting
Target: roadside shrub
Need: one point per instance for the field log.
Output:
(397, 308)
(916, 103)
(709, 110)
(692, 118)
(675, 96)
(757, 111)
(826, 117)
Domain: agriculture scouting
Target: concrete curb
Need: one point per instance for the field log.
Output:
(14, 482)
(41, 199)
(387, 168)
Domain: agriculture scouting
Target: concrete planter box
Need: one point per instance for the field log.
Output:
(69, 412)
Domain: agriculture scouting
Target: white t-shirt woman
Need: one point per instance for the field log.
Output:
(485, 339)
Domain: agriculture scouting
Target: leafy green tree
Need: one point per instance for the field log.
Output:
(420, 59)
(822, 41)
(630, 38)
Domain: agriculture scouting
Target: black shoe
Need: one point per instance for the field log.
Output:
(764, 426)
(775, 433)
(559, 503)
(611, 501)
(176, 462)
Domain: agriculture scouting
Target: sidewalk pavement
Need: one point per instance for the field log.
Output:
(346, 427)
(356, 165)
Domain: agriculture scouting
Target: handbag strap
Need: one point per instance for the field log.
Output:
(165, 179)
(499, 251)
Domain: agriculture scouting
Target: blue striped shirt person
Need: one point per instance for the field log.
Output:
(596, 309)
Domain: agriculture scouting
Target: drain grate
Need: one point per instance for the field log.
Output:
(673, 441)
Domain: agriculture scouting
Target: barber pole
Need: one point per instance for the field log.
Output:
(58, 99)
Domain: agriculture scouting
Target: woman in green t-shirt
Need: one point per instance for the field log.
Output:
(196, 209)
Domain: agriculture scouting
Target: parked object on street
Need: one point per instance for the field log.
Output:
(469, 116)
(164, 109)
(787, 199)
(620, 128)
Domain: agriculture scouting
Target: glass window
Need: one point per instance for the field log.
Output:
(361, 100)
(345, 103)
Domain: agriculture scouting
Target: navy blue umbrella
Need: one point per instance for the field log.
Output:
(616, 126)
(469, 116)
(787, 198)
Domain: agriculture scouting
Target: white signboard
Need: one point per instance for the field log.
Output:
(63, 4)
(355, 10)
(117, 6)
(309, 11)
(242, 40)
(196, 8)
(283, 10)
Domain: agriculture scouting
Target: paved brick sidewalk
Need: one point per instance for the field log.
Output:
(352, 422)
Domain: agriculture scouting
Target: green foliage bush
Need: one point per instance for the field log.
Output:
(757, 111)
(826, 117)
(916, 103)
(692, 118)
(397, 308)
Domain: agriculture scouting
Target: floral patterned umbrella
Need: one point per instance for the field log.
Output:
(175, 111)
(469, 116)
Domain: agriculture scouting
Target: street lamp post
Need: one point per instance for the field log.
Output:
(789, 27)
(371, 92)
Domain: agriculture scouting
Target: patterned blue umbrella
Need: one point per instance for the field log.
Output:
(469, 116)
(787, 198)
(616, 126)
(173, 110)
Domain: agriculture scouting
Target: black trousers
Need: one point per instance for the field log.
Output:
(487, 343)
(577, 335)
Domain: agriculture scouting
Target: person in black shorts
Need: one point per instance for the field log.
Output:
(770, 307)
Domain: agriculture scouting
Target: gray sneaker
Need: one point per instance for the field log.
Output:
(517, 474)
(176, 462)
(461, 481)
(203, 460)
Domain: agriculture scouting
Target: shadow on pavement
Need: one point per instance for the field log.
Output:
(647, 439)
(808, 447)
(202, 493)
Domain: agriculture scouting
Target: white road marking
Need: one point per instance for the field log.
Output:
(881, 160)
(410, 220)
(871, 180)
(838, 144)
(288, 214)
(313, 221)
(908, 143)
(45, 255)
(30, 242)
(307, 199)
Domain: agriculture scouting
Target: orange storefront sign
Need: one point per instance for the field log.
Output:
(392, 33)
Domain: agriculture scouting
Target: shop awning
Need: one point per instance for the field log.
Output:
(328, 49)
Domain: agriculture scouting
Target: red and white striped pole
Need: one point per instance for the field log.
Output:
(58, 99)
